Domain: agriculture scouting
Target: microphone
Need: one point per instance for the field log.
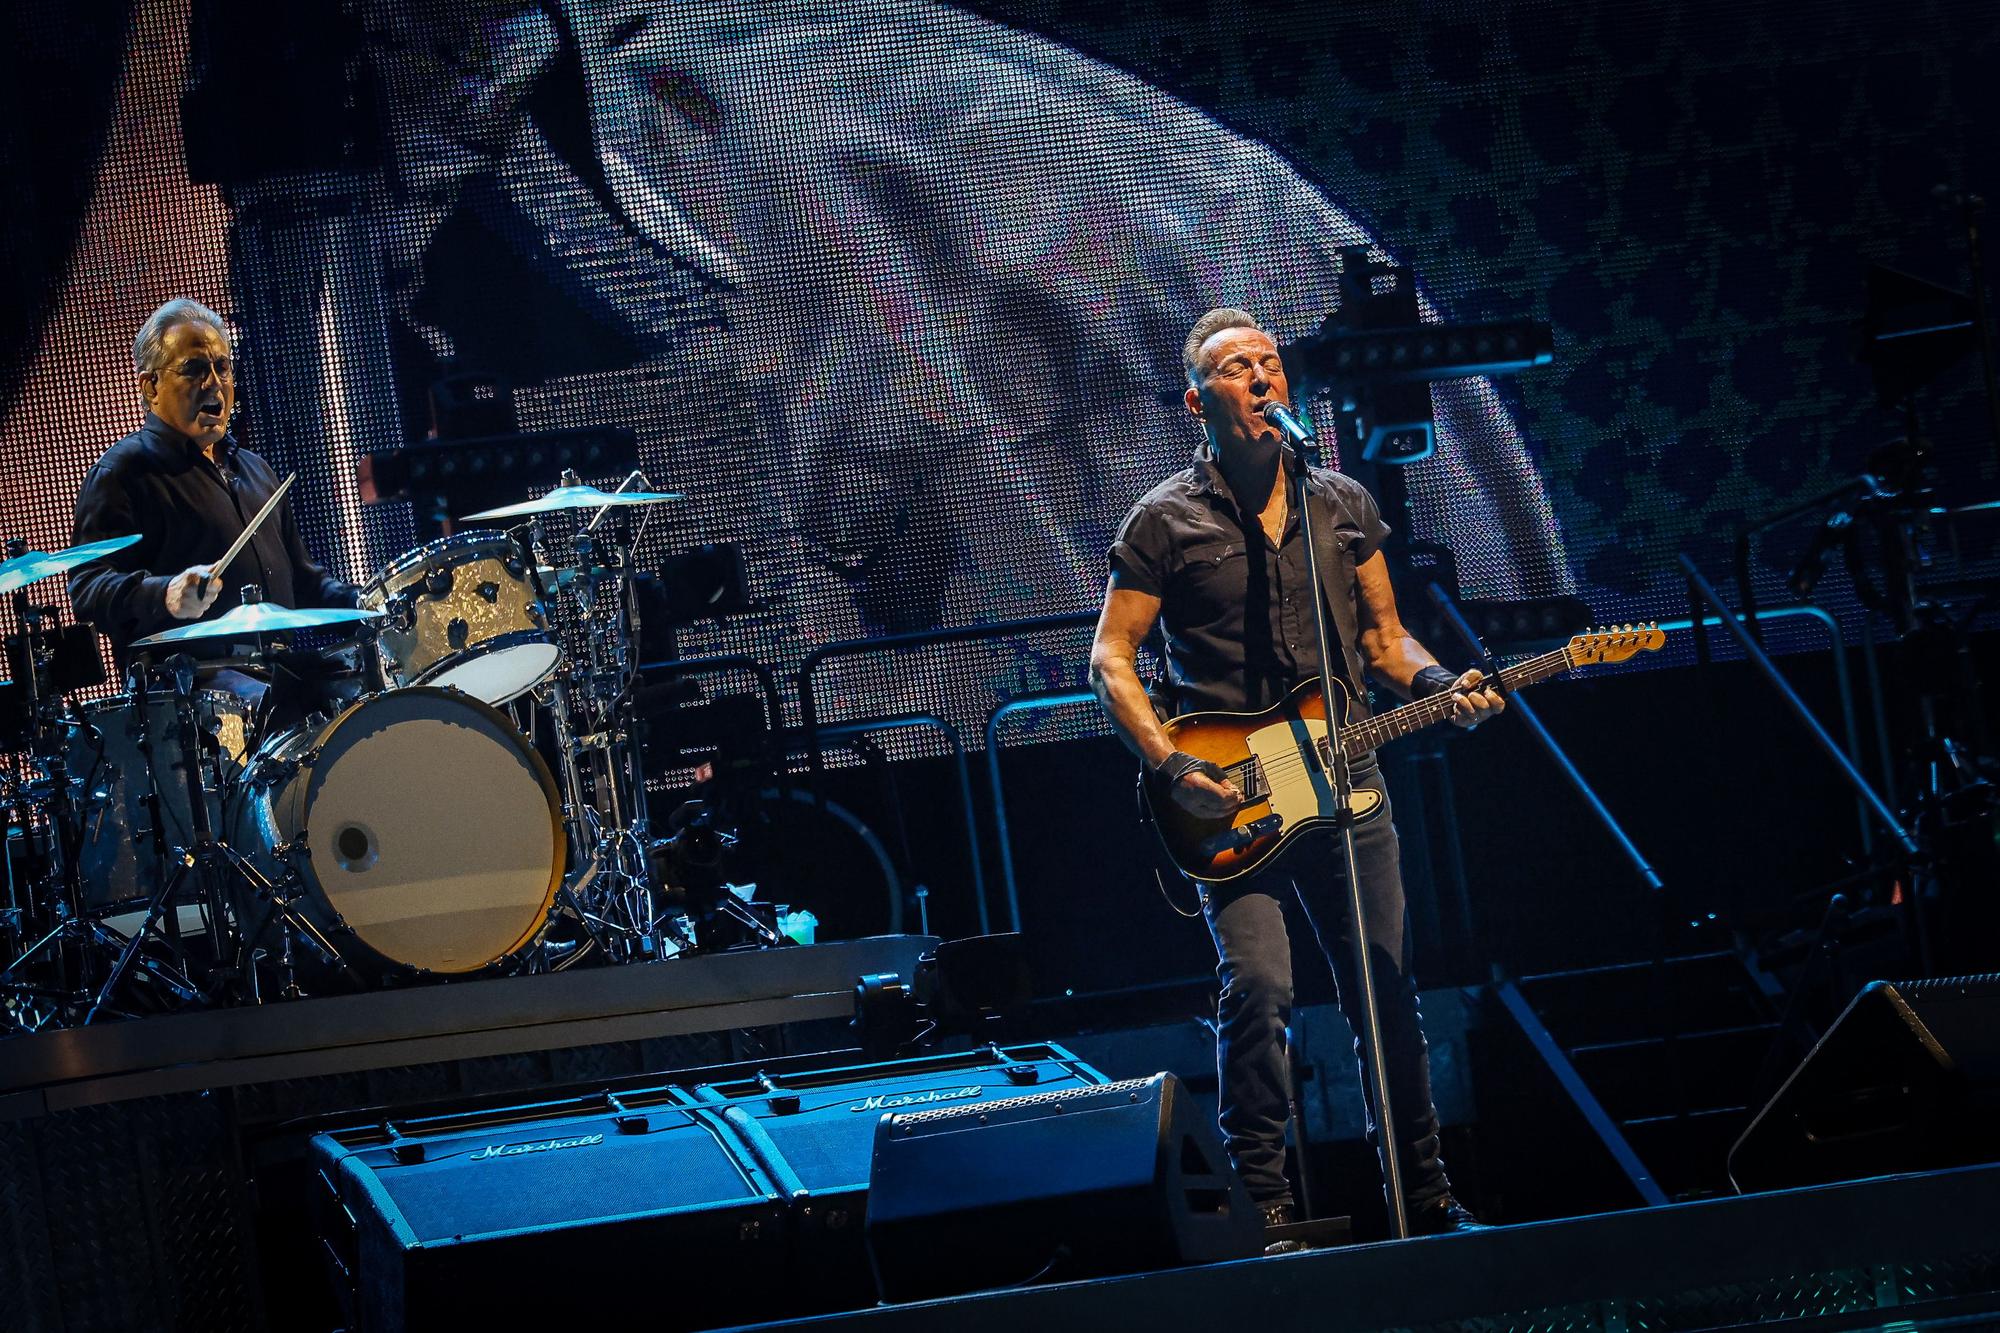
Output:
(1289, 425)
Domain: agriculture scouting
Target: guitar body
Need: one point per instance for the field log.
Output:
(1299, 796)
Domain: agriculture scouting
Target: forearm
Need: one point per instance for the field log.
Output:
(1114, 678)
(1394, 659)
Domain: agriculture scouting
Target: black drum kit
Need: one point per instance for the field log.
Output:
(199, 840)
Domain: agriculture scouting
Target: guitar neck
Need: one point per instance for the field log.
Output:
(1360, 737)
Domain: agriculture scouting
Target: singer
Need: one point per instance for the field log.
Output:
(1214, 556)
(184, 486)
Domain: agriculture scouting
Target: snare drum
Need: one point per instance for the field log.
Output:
(424, 829)
(461, 612)
(119, 859)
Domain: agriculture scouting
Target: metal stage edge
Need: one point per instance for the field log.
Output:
(47, 1072)
(1920, 1250)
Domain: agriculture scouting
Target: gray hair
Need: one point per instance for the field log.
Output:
(149, 347)
(1210, 324)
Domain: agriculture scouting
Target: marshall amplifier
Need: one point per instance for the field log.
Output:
(1052, 1185)
(543, 1211)
(814, 1132)
(507, 1219)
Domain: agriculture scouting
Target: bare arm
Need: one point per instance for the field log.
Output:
(1394, 656)
(1128, 617)
(1126, 620)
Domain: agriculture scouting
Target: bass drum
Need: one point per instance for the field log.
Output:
(425, 831)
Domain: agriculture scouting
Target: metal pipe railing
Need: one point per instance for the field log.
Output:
(999, 629)
(1837, 642)
(864, 726)
(1526, 711)
(1879, 808)
(1033, 703)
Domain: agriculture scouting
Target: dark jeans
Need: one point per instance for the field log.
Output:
(1247, 919)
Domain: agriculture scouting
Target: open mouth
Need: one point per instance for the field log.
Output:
(209, 407)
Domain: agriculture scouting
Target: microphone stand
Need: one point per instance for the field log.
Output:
(1301, 455)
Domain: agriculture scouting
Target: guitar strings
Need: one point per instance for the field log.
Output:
(1375, 731)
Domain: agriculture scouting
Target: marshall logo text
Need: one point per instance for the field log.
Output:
(898, 1101)
(540, 1145)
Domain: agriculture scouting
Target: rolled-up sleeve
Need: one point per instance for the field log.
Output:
(1140, 552)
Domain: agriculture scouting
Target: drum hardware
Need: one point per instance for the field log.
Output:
(206, 865)
(282, 895)
(69, 935)
(590, 708)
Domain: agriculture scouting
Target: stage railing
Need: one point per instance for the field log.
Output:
(1002, 833)
(861, 727)
(812, 730)
(1836, 644)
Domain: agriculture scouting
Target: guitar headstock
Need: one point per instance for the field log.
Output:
(1614, 643)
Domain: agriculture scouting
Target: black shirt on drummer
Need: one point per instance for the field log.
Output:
(189, 492)
(1238, 633)
(186, 510)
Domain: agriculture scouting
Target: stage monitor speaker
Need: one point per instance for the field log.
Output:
(502, 1214)
(526, 1217)
(1118, 1178)
(814, 1131)
(1906, 1079)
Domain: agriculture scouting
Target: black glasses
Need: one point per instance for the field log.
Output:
(196, 369)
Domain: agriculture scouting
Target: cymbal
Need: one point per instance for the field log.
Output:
(34, 566)
(1983, 507)
(254, 619)
(576, 497)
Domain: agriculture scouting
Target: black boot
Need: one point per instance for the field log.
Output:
(1281, 1212)
(1442, 1216)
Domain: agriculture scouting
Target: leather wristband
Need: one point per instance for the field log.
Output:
(1180, 763)
(1431, 680)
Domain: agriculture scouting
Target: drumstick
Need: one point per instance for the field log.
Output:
(249, 532)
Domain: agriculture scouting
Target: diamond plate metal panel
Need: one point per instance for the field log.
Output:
(143, 1208)
(27, 1276)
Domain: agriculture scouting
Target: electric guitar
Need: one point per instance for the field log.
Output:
(1279, 759)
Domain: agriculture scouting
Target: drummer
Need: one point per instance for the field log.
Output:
(189, 491)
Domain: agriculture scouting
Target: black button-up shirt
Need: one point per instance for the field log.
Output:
(156, 482)
(1235, 611)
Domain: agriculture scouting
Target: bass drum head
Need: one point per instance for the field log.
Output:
(433, 830)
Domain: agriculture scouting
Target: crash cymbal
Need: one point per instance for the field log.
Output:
(576, 497)
(34, 566)
(256, 619)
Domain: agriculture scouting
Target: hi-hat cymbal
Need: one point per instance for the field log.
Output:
(34, 566)
(576, 497)
(256, 619)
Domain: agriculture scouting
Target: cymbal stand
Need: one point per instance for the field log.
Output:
(66, 942)
(611, 888)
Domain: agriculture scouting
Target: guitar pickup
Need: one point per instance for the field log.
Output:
(1236, 839)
